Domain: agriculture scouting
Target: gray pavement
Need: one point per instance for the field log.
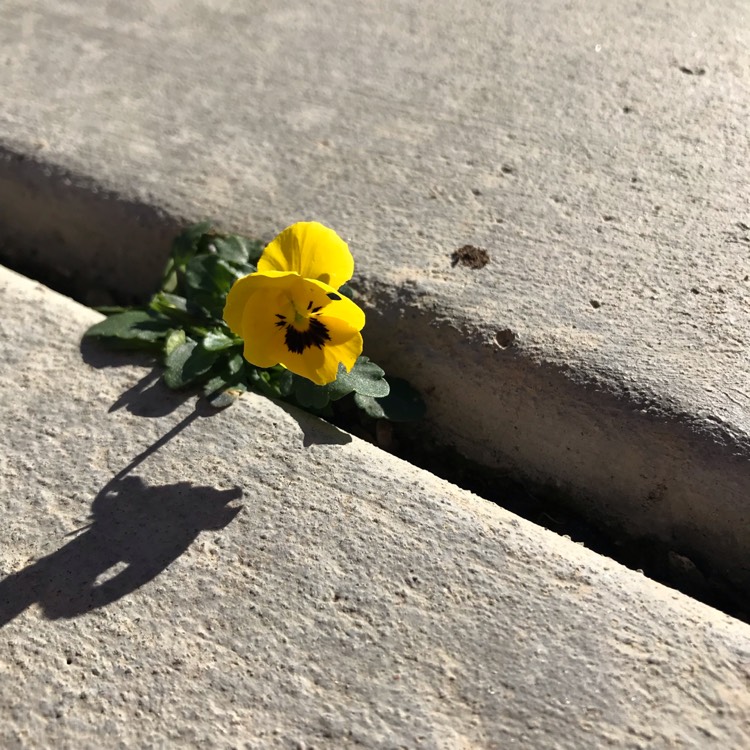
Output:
(598, 151)
(255, 578)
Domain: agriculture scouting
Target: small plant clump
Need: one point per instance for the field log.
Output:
(231, 316)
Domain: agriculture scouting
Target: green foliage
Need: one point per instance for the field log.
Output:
(402, 404)
(365, 378)
(132, 329)
(183, 326)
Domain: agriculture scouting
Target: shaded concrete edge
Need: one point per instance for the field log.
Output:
(625, 458)
(82, 234)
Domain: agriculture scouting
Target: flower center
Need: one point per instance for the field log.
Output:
(303, 329)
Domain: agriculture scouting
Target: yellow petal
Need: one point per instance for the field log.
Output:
(307, 364)
(346, 342)
(235, 304)
(311, 250)
(339, 306)
(264, 340)
(241, 291)
(250, 312)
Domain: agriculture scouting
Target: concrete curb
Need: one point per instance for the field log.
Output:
(628, 458)
(352, 600)
(611, 206)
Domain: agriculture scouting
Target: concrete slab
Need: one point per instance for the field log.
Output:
(598, 154)
(256, 578)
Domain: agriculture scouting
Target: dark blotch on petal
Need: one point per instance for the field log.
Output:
(335, 297)
(297, 341)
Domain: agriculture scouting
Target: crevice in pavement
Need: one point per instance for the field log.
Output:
(552, 509)
(544, 506)
(634, 461)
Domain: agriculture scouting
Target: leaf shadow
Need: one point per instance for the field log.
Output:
(148, 397)
(315, 430)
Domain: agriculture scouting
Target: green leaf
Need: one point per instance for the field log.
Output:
(222, 399)
(369, 406)
(309, 395)
(184, 247)
(132, 328)
(216, 383)
(365, 378)
(186, 363)
(198, 363)
(172, 306)
(280, 381)
(259, 380)
(255, 249)
(222, 393)
(208, 280)
(111, 309)
(216, 341)
(174, 339)
(402, 404)
(231, 248)
(274, 382)
(284, 382)
(175, 363)
(237, 250)
(235, 363)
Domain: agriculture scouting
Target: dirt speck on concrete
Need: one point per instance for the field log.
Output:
(470, 256)
(692, 71)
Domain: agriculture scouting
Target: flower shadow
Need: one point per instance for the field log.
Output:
(135, 533)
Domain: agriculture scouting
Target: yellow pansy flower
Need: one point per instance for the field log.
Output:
(289, 312)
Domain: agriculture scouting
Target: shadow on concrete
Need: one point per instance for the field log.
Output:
(77, 235)
(136, 531)
(315, 431)
(149, 397)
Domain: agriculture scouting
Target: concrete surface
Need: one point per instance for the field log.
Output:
(598, 151)
(255, 578)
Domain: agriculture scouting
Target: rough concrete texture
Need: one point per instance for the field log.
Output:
(256, 578)
(596, 150)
